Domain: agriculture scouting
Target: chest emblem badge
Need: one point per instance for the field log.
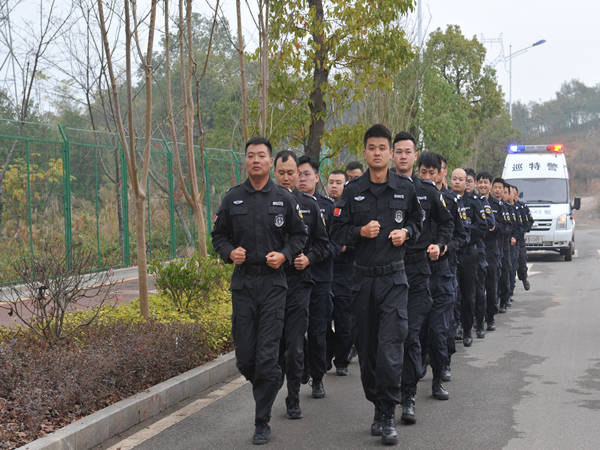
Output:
(279, 220)
(399, 216)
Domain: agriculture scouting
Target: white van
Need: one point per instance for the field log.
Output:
(540, 173)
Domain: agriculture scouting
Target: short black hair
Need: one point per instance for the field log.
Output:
(378, 130)
(405, 136)
(485, 176)
(470, 172)
(353, 165)
(515, 188)
(429, 159)
(305, 159)
(443, 160)
(284, 155)
(259, 140)
(339, 172)
(500, 180)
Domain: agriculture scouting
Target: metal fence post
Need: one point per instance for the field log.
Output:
(99, 260)
(171, 198)
(29, 214)
(66, 166)
(236, 161)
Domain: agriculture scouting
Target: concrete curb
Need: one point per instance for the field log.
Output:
(106, 423)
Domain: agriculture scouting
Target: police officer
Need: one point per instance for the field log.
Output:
(340, 342)
(321, 306)
(527, 225)
(377, 213)
(476, 225)
(500, 189)
(480, 298)
(299, 280)
(436, 232)
(517, 230)
(492, 248)
(444, 284)
(258, 227)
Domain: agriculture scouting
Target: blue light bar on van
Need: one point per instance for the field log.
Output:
(519, 148)
(514, 148)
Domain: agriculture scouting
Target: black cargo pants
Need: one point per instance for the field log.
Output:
(258, 302)
(380, 305)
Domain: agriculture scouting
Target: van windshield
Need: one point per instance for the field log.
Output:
(542, 190)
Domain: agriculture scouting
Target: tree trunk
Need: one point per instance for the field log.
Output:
(201, 224)
(242, 71)
(318, 108)
(140, 231)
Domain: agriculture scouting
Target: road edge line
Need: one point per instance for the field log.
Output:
(104, 424)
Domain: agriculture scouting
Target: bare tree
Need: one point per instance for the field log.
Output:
(26, 48)
(137, 179)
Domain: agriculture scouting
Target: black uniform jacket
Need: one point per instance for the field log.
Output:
(316, 248)
(395, 207)
(438, 224)
(259, 221)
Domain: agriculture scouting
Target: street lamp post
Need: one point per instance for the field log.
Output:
(510, 56)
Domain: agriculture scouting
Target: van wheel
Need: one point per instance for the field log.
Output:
(569, 252)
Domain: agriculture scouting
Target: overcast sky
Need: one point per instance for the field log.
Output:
(571, 29)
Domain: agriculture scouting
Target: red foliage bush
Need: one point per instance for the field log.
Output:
(44, 388)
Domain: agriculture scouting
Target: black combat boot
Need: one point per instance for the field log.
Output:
(262, 433)
(408, 410)
(292, 403)
(377, 424)
(318, 390)
(438, 390)
(389, 435)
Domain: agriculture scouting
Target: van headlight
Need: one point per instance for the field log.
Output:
(562, 222)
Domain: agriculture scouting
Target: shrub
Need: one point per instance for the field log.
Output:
(53, 284)
(189, 282)
(43, 388)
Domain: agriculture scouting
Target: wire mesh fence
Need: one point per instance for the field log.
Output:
(71, 185)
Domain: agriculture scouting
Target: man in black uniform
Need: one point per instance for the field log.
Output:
(436, 232)
(340, 342)
(480, 298)
(320, 310)
(516, 233)
(377, 213)
(492, 249)
(500, 189)
(444, 285)
(258, 228)
(476, 226)
(527, 225)
(299, 280)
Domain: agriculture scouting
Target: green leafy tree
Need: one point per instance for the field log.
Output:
(323, 49)
(469, 98)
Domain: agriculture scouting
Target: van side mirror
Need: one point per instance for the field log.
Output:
(577, 203)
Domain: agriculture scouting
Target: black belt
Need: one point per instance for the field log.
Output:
(375, 271)
(255, 269)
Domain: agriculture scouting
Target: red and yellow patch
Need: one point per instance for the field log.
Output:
(337, 212)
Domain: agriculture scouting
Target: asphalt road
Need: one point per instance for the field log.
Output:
(532, 384)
